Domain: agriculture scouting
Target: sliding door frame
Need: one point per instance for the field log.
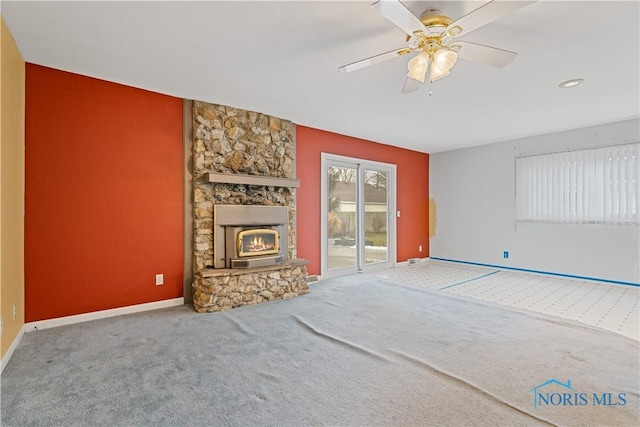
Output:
(328, 159)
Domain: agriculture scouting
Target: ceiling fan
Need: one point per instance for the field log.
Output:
(434, 37)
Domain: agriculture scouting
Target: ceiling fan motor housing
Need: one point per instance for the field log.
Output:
(435, 22)
(436, 26)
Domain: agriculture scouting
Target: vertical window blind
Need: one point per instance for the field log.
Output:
(591, 186)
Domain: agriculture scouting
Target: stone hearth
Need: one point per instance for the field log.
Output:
(223, 289)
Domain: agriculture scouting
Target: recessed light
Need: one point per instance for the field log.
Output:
(571, 83)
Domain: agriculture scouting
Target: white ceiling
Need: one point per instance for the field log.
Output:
(282, 57)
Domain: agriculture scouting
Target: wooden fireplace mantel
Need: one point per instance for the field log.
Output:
(227, 178)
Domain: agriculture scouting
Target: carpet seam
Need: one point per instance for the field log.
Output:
(238, 324)
(347, 344)
(440, 372)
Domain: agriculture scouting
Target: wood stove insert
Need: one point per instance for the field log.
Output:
(249, 236)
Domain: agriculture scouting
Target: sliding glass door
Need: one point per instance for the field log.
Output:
(358, 215)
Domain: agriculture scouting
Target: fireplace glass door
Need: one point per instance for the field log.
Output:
(257, 242)
(358, 215)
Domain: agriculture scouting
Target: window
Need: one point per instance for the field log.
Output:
(593, 186)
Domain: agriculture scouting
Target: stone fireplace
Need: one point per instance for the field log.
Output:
(244, 215)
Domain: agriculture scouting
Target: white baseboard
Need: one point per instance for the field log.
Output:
(12, 348)
(103, 314)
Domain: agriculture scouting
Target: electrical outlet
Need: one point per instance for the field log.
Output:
(420, 248)
(159, 279)
(505, 254)
(398, 214)
(14, 311)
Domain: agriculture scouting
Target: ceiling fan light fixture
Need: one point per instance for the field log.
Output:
(443, 62)
(437, 73)
(418, 66)
(445, 59)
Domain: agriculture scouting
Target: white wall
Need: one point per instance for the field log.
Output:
(474, 194)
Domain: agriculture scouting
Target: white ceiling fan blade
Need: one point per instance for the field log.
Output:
(484, 54)
(399, 15)
(484, 14)
(410, 85)
(372, 60)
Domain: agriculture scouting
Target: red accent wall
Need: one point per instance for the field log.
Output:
(412, 190)
(104, 191)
